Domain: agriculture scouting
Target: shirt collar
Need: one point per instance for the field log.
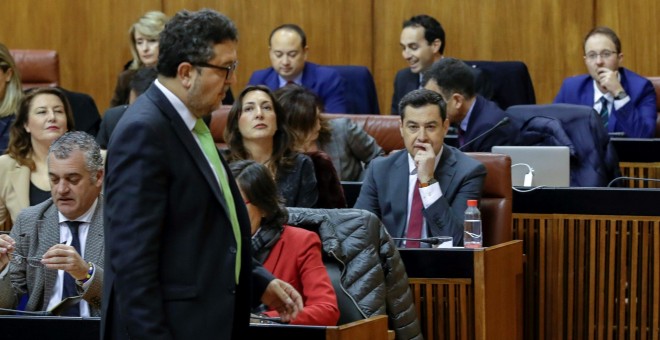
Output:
(85, 218)
(464, 122)
(412, 169)
(297, 80)
(179, 106)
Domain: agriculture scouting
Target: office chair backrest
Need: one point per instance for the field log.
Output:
(361, 95)
(510, 82)
(38, 67)
(496, 199)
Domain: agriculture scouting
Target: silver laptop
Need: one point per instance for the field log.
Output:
(550, 164)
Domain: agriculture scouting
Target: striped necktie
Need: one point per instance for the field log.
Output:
(208, 147)
(604, 110)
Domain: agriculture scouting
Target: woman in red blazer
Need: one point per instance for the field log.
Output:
(291, 254)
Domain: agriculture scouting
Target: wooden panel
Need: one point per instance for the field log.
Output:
(590, 277)
(451, 300)
(334, 37)
(91, 38)
(640, 170)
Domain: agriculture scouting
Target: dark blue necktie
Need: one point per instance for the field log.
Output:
(604, 111)
(69, 288)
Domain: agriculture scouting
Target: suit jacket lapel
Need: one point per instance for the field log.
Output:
(94, 248)
(588, 94)
(48, 230)
(191, 146)
(309, 76)
(445, 170)
(399, 203)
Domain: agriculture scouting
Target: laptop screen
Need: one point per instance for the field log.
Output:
(550, 164)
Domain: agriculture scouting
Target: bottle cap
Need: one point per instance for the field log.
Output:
(472, 203)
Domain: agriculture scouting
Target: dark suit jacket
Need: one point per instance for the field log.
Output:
(485, 114)
(385, 192)
(324, 81)
(170, 247)
(407, 81)
(636, 119)
(35, 231)
(108, 124)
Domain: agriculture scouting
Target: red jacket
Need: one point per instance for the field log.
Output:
(296, 259)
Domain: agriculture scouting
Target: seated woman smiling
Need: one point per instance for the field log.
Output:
(291, 254)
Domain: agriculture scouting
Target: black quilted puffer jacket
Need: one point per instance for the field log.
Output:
(372, 271)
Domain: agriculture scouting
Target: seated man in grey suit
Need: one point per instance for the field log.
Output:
(471, 113)
(55, 249)
(435, 180)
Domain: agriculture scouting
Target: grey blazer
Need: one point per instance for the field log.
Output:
(35, 231)
(350, 147)
(385, 192)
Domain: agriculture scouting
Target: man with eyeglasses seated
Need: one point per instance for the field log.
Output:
(55, 249)
(625, 101)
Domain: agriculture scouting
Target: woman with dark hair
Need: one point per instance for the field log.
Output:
(10, 94)
(43, 116)
(291, 254)
(350, 148)
(256, 130)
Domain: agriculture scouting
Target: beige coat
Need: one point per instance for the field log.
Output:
(14, 190)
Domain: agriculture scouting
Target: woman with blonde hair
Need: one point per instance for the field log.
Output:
(10, 94)
(143, 36)
(43, 116)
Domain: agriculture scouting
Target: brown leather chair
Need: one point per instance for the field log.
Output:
(656, 84)
(38, 67)
(496, 199)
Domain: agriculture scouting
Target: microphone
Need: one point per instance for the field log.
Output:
(502, 122)
(431, 240)
(632, 179)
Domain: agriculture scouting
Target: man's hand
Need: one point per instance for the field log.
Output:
(63, 257)
(283, 298)
(7, 246)
(609, 80)
(424, 161)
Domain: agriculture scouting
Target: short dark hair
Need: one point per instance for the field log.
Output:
(258, 186)
(453, 76)
(432, 29)
(142, 79)
(190, 37)
(606, 31)
(290, 27)
(283, 154)
(422, 97)
(300, 105)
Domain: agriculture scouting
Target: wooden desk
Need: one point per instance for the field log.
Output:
(55, 327)
(468, 293)
(592, 268)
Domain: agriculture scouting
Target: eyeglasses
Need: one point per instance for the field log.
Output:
(606, 54)
(18, 259)
(230, 69)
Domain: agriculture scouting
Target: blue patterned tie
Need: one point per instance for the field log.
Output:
(604, 111)
(69, 287)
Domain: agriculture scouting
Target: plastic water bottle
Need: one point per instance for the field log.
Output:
(472, 226)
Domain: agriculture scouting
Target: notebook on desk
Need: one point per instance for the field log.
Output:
(550, 164)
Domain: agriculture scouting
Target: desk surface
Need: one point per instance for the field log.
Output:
(637, 149)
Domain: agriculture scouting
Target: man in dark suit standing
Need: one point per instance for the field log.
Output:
(178, 245)
(422, 43)
(288, 55)
(468, 111)
(56, 247)
(435, 179)
(625, 100)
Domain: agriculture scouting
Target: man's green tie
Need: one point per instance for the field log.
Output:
(211, 152)
(604, 111)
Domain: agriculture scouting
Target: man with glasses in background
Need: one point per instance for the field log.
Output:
(625, 101)
(55, 248)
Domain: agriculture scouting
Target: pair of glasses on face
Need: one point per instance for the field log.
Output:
(606, 54)
(18, 259)
(229, 69)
